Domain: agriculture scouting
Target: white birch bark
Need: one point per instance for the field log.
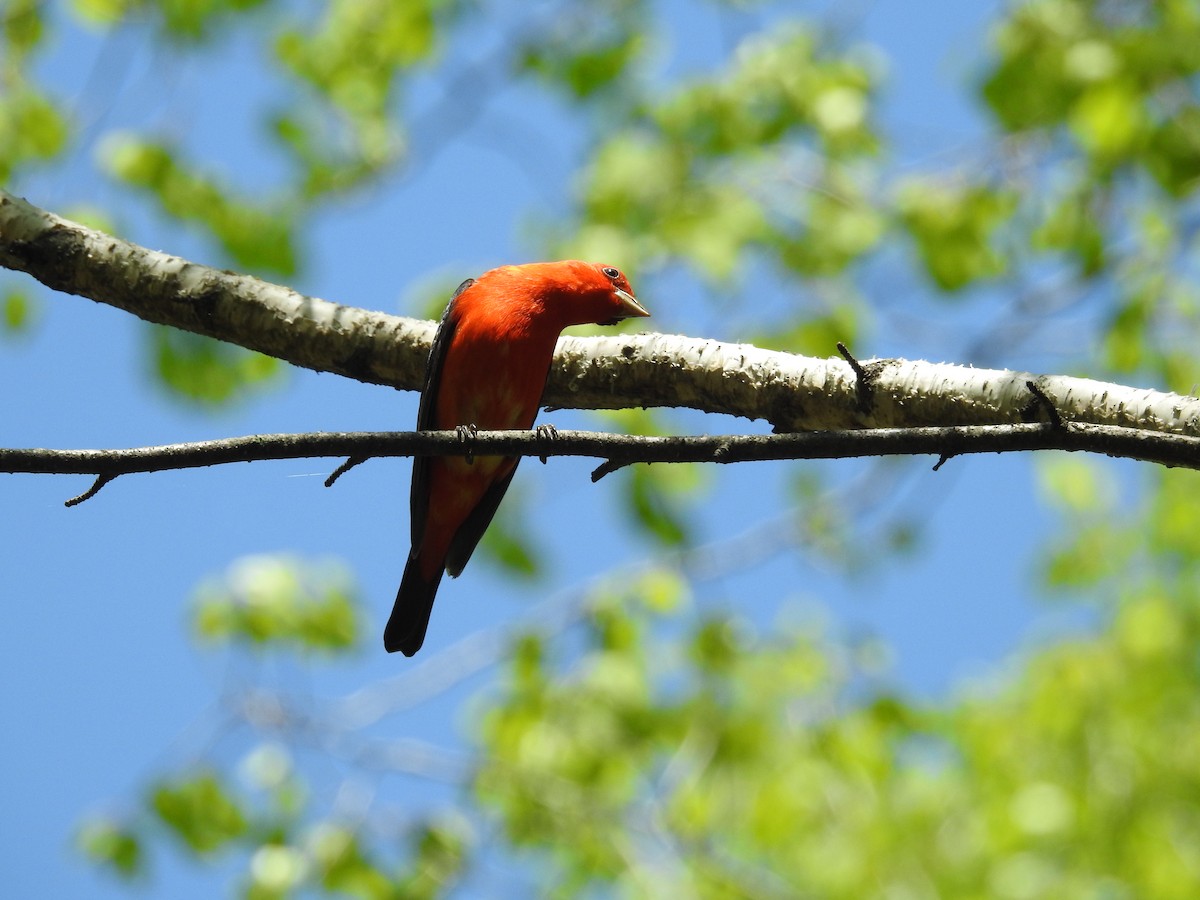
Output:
(650, 370)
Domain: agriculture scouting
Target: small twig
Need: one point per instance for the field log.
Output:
(944, 458)
(849, 357)
(1039, 400)
(344, 468)
(100, 482)
(607, 468)
(863, 389)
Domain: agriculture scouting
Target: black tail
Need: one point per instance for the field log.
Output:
(410, 615)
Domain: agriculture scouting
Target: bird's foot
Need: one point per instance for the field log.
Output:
(546, 432)
(466, 435)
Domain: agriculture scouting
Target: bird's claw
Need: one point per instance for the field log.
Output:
(466, 434)
(546, 432)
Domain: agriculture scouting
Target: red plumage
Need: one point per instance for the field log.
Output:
(488, 368)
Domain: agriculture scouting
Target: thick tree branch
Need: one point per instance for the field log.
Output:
(616, 449)
(794, 393)
(63, 255)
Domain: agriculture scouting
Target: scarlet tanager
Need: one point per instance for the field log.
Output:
(487, 369)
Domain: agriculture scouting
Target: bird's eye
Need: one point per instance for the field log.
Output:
(611, 272)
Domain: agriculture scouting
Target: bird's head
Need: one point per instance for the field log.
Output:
(550, 296)
(618, 296)
(585, 293)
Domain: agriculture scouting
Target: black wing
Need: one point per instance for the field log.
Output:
(471, 530)
(419, 498)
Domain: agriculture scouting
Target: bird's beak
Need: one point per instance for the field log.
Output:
(630, 308)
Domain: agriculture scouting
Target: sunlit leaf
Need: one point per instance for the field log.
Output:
(112, 844)
(257, 234)
(200, 811)
(207, 371)
(1076, 483)
(17, 311)
(508, 541)
(279, 601)
(954, 227)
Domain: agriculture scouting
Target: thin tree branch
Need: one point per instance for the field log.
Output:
(616, 449)
(793, 393)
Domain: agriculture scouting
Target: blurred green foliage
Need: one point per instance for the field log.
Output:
(269, 821)
(732, 764)
(276, 602)
(33, 128)
(679, 753)
(16, 310)
(254, 237)
(509, 542)
(722, 762)
(690, 174)
(953, 226)
(199, 811)
(113, 845)
(208, 372)
(591, 48)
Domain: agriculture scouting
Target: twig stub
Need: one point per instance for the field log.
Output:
(101, 481)
(864, 378)
(1041, 401)
(344, 468)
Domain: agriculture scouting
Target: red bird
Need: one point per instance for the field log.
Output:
(487, 369)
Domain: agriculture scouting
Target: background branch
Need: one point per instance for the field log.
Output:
(617, 449)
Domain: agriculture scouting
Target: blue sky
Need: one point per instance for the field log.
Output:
(103, 690)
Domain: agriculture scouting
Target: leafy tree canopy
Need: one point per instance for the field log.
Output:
(641, 741)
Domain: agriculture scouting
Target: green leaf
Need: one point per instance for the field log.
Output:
(276, 870)
(1173, 522)
(954, 226)
(1076, 484)
(200, 811)
(441, 853)
(188, 20)
(1108, 120)
(715, 646)
(278, 601)
(588, 55)
(654, 508)
(210, 372)
(32, 130)
(353, 58)
(342, 865)
(817, 335)
(102, 12)
(113, 845)
(1093, 554)
(17, 311)
(1151, 629)
(1126, 343)
(257, 235)
(1174, 152)
(22, 27)
(508, 541)
(1033, 82)
(1073, 225)
(840, 228)
(661, 590)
